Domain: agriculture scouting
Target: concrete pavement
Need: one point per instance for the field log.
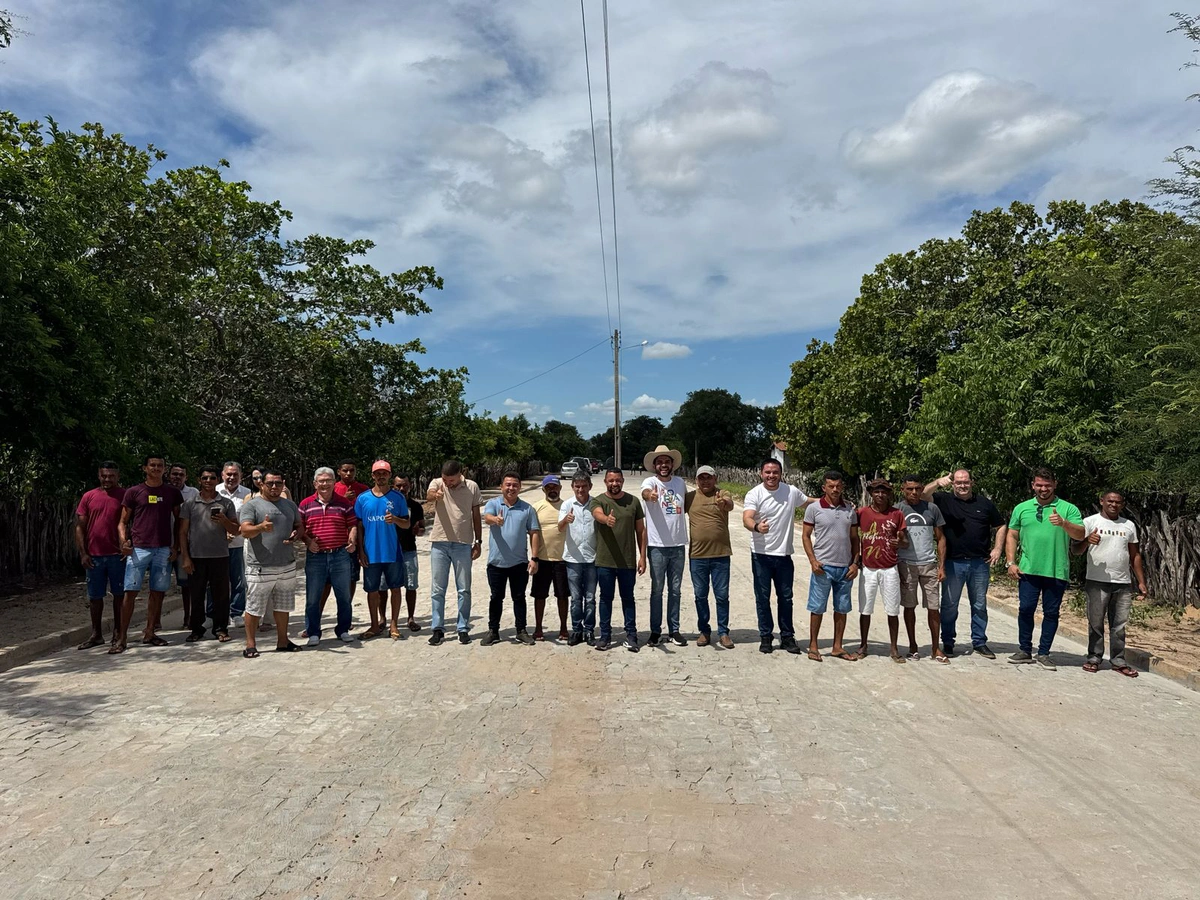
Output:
(404, 770)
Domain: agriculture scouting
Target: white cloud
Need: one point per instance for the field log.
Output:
(966, 131)
(510, 176)
(522, 408)
(643, 404)
(666, 350)
(673, 151)
(1091, 186)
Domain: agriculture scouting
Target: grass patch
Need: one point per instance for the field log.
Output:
(735, 490)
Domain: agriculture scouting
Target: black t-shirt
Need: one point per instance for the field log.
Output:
(969, 524)
(416, 516)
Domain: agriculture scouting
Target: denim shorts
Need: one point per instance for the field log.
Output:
(411, 571)
(833, 581)
(106, 573)
(157, 561)
(381, 576)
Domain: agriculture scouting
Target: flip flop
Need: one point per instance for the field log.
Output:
(413, 626)
(289, 647)
(848, 657)
(115, 649)
(156, 641)
(394, 633)
(1091, 667)
(89, 644)
(1127, 671)
(914, 655)
(371, 632)
(815, 655)
(897, 658)
(941, 658)
(250, 653)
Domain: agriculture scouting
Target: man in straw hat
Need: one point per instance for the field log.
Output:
(663, 501)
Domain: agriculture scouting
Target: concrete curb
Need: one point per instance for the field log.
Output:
(1143, 660)
(19, 655)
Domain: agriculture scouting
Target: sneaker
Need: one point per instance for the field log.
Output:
(602, 644)
(703, 640)
(985, 651)
(437, 637)
(524, 637)
(678, 639)
(490, 638)
(576, 639)
(464, 637)
(631, 644)
(949, 652)
(653, 640)
(726, 642)
(765, 646)
(238, 622)
(590, 639)
(1018, 658)
(1044, 660)
(346, 637)
(313, 640)
(789, 644)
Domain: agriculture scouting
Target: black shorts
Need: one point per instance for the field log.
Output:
(550, 572)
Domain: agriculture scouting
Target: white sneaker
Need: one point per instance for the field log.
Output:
(313, 640)
(346, 637)
(238, 622)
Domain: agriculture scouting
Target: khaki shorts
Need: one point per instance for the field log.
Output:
(925, 575)
(270, 592)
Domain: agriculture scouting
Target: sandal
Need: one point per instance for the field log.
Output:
(897, 658)
(289, 647)
(815, 655)
(394, 633)
(250, 653)
(156, 641)
(1127, 671)
(115, 649)
(842, 654)
(1091, 667)
(914, 655)
(413, 626)
(940, 657)
(371, 632)
(223, 636)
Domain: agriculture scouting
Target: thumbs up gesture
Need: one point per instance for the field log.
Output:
(267, 524)
(652, 495)
(610, 520)
(570, 516)
(1055, 518)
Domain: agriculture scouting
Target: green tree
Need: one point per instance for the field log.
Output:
(717, 427)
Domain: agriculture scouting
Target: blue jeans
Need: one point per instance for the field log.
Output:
(833, 582)
(666, 568)
(157, 561)
(332, 568)
(975, 574)
(443, 555)
(608, 580)
(581, 580)
(715, 569)
(107, 572)
(1051, 591)
(237, 585)
(777, 570)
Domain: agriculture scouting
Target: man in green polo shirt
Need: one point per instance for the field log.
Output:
(1044, 526)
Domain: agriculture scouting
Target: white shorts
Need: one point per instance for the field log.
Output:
(873, 581)
(270, 592)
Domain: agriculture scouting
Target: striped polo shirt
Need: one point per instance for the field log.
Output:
(329, 523)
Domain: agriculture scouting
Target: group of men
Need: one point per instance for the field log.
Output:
(234, 550)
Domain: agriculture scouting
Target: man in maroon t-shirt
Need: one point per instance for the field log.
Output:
(99, 547)
(882, 531)
(149, 511)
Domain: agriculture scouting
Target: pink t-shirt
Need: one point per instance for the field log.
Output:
(102, 511)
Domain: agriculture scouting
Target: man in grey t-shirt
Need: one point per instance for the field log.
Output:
(270, 523)
(206, 523)
(922, 563)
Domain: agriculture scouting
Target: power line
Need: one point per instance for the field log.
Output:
(612, 166)
(539, 374)
(595, 163)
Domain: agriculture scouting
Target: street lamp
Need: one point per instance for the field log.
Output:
(617, 348)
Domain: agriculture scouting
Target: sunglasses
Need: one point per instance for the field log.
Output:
(1041, 510)
(208, 477)
(272, 484)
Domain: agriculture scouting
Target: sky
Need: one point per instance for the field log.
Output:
(767, 155)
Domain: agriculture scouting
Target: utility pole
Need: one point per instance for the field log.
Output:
(616, 340)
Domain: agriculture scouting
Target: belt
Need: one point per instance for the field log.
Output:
(330, 550)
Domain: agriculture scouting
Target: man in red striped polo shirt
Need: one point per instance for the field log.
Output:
(332, 530)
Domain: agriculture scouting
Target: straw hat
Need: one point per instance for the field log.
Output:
(662, 450)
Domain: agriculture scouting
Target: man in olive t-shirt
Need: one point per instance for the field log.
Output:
(1044, 526)
(620, 555)
(709, 550)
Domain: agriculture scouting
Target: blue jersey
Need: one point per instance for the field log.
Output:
(380, 540)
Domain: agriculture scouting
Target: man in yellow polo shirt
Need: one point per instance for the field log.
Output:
(551, 570)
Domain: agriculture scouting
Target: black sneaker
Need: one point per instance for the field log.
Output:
(789, 644)
(576, 639)
(678, 639)
(524, 637)
(653, 639)
(602, 644)
(464, 638)
(765, 645)
(437, 637)
(950, 652)
(631, 644)
(490, 638)
(985, 651)
(1021, 658)
(589, 639)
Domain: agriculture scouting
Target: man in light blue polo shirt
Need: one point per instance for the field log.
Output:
(511, 521)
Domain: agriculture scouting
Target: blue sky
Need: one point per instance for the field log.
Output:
(767, 155)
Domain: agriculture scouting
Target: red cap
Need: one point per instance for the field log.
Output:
(381, 464)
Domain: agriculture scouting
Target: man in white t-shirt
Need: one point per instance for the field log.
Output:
(663, 495)
(231, 488)
(1111, 543)
(578, 527)
(770, 513)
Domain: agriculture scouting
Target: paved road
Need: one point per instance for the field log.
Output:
(404, 770)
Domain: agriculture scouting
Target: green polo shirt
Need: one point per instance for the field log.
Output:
(1045, 548)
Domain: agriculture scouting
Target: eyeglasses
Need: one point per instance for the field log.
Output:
(256, 477)
(272, 484)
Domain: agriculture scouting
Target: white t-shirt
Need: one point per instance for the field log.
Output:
(579, 540)
(778, 510)
(666, 525)
(238, 497)
(1108, 561)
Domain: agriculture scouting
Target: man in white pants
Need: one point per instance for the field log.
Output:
(882, 531)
